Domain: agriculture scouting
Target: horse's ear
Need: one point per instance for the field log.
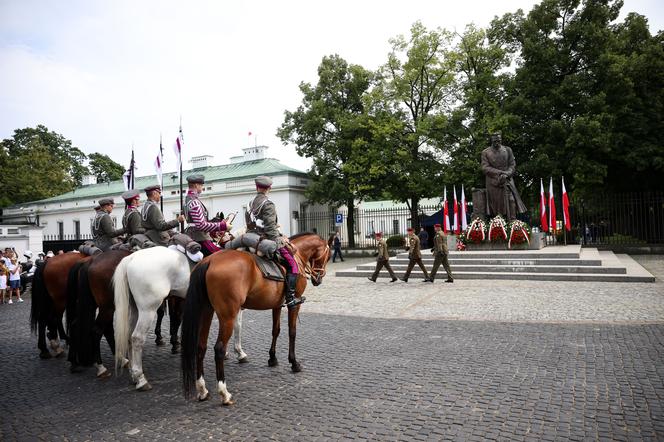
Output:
(220, 215)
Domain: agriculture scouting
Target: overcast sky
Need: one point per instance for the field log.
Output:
(109, 74)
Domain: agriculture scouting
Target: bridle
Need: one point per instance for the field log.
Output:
(316, 273)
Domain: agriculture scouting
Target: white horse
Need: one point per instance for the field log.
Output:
(148, 276)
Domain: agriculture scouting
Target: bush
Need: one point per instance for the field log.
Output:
(395, 241)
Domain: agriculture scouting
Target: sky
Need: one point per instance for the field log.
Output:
(109, 75)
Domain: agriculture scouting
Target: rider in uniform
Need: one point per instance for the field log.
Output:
(197, 217)
(131, 221)
(104, 233)
(156, 228)
(261, 217)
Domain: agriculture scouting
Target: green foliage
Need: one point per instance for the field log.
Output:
(395, 241)
(104, 168)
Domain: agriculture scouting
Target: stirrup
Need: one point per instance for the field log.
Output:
(293, 302)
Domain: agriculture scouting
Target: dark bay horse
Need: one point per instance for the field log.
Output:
(227, 281)
(49, 299)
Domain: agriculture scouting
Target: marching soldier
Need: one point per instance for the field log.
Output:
(382, 260)
(414, 255)
(440, 252)
(104, 233)
(197, 216)
(156, 228)
(261, 217)
(131, 221)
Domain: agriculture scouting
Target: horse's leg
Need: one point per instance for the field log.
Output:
(175, 310)
(104, 327)
(61, 331)
(276, 328)
(145, 318)
(53, 329)
(237, 336)
(204, 331)
(292, 326)
(41, 340)
(157, 330)
(225, 331)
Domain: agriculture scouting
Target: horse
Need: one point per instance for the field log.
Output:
(228, 281)
(49, 297)
(147, 277)
(92, 280)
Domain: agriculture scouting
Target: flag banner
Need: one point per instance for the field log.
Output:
(456, 214)
(159, 164)
(177, 148)
(126, 178)
(543, 220)
(552, 209)
(464, 208)
(568, 225)
(446, 216)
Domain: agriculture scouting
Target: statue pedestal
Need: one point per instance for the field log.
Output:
(537, 242)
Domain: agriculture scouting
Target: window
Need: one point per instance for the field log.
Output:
(77, 229)
(61, 230)
(395, 227)
(12, 231)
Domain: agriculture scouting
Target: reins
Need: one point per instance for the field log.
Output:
(318, 272)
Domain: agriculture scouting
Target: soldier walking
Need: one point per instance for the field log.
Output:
(156, 227)
(382, 260)
(104, 233)
(414, 255)
(441, 253)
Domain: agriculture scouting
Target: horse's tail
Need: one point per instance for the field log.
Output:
(86, 310)
(121, 296)
(195, 303)
(41, 304)
(72, 295)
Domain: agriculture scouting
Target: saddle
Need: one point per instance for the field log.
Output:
(89, 248)
(184, 244)
(254, 243)
(270, 268)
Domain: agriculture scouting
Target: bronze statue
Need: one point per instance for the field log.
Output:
(498, 165)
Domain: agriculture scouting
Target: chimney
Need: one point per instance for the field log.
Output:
(200, 162)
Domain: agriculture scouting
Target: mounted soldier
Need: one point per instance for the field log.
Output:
(104, 233)
(156, 228)
(261, 217)
(131, 221)
(196, 213)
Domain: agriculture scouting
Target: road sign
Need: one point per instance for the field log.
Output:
(338, 219)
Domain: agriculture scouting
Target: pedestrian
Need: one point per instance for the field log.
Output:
(337, 248)
(49, 254)
(14, 280)
(441, 253)
(382, 259)
(424, 238)
(4, 275)
(414, 255)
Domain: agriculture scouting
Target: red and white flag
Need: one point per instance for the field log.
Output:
(159, 164)
(543, 220)
(457, 228)
(446, 215)
(464, 207)
(552, 208)
(177, 148)
(568, 225)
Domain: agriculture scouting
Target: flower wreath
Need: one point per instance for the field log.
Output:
(519, 233)
(475, 233)
(497, 230)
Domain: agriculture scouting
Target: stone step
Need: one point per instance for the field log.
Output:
(525, 254)
(512, 262)
(510, 268)
(417, 277)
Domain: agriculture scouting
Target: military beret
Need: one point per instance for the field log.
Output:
(196, 179)
(263, 181)
(436, 225)
(409, 229)
(106, 201)
(130, 194)
(153, 187)
(379, 233)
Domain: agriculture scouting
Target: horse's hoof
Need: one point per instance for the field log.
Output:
(45, 354)
(245, 359)
(228, 402)
(175, 350)
(203, 399)
(104, 375)
(60, 353)
(159, 341)
(144, 387)
(296, 367)
(272, 362)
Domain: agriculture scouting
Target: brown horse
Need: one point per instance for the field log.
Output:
(230, 280)
(49, 298)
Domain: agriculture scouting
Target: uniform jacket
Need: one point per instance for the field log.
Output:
(381, 248)
(104, 233)
(440, 243)
(131, 222)
(414, 247)
(197, 216)
(262, 217)
(156, 228)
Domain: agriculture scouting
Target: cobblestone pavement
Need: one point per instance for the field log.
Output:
(385, 373)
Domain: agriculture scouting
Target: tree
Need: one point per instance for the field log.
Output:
(104, 168)
(332, 128)
(418, 86)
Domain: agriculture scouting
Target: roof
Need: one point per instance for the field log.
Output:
(245, 169)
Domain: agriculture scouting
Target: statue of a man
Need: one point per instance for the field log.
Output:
(498, 165)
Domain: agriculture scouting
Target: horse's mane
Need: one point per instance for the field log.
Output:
(299, 235)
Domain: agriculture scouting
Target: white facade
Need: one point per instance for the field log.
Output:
(21, 238)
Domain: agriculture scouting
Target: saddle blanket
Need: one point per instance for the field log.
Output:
(269, 268)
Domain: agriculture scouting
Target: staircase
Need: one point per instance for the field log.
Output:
(557, 263)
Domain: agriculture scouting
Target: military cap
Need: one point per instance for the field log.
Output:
(106, 201)
(409, 229)
(196, 179)
(153, 187)
(263, 181)
(130, 194)
(436, 226)
(379, 233)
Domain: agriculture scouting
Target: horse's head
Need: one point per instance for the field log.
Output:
(315, 253)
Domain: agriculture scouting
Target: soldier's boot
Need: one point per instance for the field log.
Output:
(291, 300)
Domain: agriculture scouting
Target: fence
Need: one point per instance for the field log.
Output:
(610, 219)
(64, 242)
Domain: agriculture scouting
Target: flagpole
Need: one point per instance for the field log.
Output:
(181, 196)
(563, 206)
(161, 178)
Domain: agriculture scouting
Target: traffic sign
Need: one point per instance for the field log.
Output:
(338, 219)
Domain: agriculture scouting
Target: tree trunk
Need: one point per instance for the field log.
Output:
(414, 213)
(350, 223)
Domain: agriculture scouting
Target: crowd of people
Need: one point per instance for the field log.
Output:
(15, 274)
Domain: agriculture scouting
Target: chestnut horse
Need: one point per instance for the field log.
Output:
(49, 298)
(230, 280)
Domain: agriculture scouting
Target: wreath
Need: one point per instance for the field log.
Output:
(476, 231)
(519, 233)
(497, 230)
